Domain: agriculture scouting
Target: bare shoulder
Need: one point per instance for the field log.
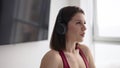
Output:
(84, 48)
(50, 60)
(88, 55)
(52, 53)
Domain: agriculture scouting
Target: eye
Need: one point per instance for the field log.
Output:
(78, 22)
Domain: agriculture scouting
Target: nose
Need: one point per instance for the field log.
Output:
(84, 27)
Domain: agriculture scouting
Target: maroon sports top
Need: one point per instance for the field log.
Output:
(65, 63)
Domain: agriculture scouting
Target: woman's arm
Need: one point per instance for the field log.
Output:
(50, 60)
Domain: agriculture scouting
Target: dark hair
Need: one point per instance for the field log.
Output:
(58, 41)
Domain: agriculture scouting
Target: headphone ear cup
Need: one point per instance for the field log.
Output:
(60, 28)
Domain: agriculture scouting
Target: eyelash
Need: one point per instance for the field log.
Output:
(80, 23)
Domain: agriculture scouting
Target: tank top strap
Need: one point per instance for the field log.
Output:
(83, 56)
(65, 63)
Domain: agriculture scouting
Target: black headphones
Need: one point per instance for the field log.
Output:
(60, 24)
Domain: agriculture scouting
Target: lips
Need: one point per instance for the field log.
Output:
(83, 34)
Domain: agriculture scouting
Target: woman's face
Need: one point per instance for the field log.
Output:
(76, 28)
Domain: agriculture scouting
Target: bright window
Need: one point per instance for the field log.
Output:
(108, 18)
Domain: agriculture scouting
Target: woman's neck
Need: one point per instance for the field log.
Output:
(70, 46)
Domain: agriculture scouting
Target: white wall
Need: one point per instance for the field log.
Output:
(107, 55)
(28, 55)
(24, 55)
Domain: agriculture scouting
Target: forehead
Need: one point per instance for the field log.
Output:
(78, 16)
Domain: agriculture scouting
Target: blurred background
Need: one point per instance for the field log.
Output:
(26, 27)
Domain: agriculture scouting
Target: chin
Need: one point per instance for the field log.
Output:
(80, 40)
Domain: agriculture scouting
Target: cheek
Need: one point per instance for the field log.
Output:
(73, 29)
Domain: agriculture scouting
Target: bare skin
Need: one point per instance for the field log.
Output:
(74, 34)
(53, 60)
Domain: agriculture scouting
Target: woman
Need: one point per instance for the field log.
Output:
(66, 50)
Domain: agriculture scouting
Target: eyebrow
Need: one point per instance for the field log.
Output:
(77, 20)
(80, 21)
